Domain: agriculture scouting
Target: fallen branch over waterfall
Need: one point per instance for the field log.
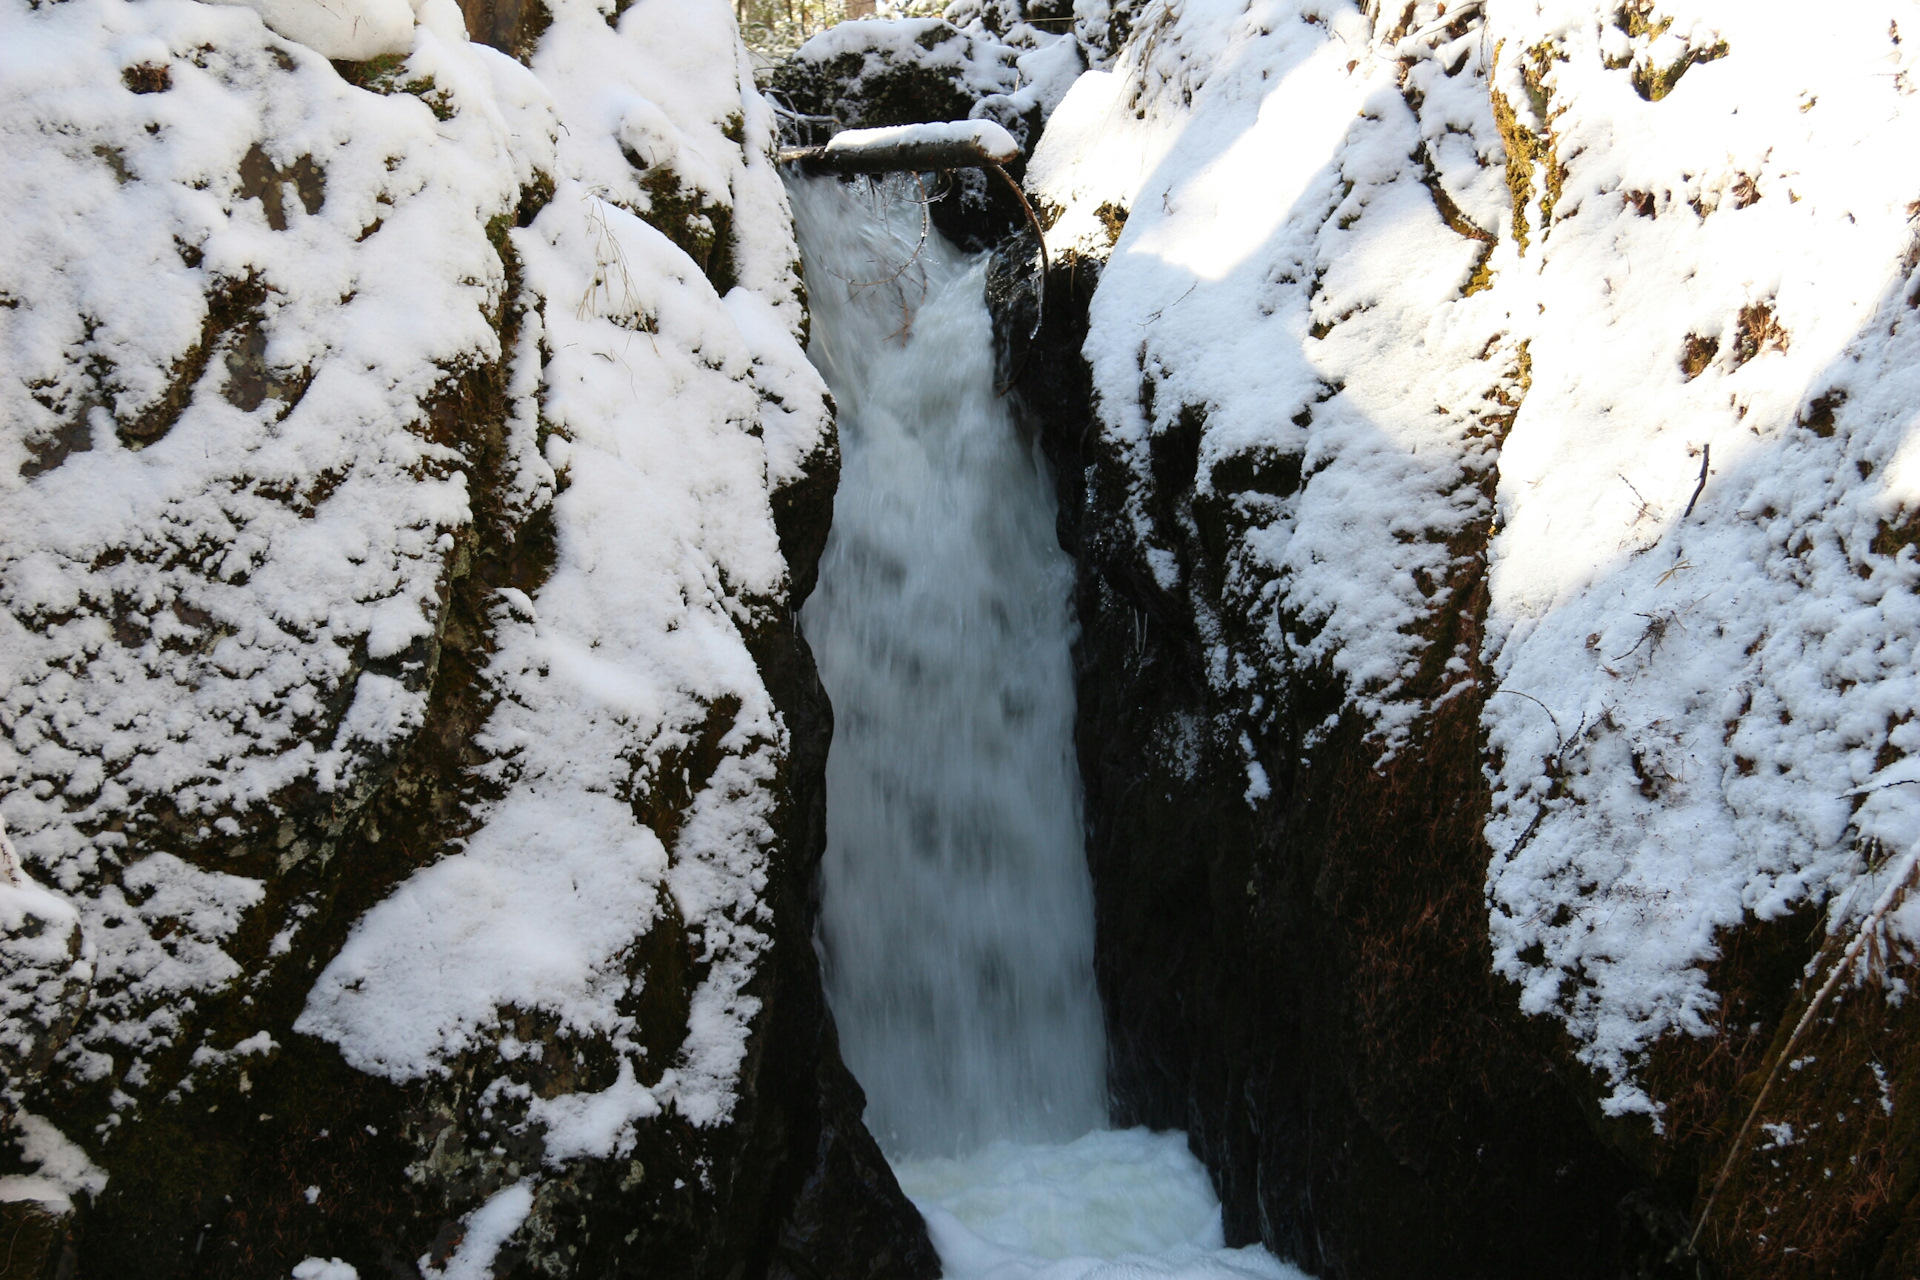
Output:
(929, 148)
(910, 148)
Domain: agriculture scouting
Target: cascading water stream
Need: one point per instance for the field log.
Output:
(957, 911)
(956, 914)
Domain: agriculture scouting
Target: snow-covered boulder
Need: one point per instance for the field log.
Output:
(1490, 483)
(408, 470)
(351, 30)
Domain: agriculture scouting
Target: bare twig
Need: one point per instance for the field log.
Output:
(1668, 575)
(1861, 791)
(612, 279)
(1645, 506)
(1657, 624)
(1157, 312)
(1894, 895)
(1040, 316)
(1706, 453)
(1536, 702)
(1557, 762)
(926, 225)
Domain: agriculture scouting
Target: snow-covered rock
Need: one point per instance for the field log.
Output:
(354, 30)
(1536, 366)
(407, 465)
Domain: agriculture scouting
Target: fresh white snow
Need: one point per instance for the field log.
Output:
(351, 29)
(1693, 721)
(62, 1170)
(487, 1229)
(325, 1269)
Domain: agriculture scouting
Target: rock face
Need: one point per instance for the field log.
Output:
(1302, 985)
(1447, 896)
(411, 472)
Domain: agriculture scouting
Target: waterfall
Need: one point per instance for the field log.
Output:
(957, 912)
(956, 915)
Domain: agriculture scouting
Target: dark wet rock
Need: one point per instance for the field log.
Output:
(1301, 981)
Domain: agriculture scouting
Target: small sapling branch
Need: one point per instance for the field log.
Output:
(1866, 934)
(1706, 454)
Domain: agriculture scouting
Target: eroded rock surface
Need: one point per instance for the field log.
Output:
(411, 471)
(1490, 590)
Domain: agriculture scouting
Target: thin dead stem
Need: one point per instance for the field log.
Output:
(1868, 933)
(926, 227)
(610, 271)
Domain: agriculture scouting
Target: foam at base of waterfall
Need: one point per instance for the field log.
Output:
(1113, 1205)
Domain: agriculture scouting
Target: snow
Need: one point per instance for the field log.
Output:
(204, 624)
(529, 915)
(989, 138)
(62, 1169)
(983, 66)
(487, 1229)
(1692, 721)
(325, 1269)
(1733, 734)
(350, 29)
(1112, 1205)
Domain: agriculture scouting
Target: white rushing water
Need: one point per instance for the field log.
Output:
(956, 908)
(957, 911)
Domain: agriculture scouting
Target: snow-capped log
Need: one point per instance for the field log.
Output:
(911, 148)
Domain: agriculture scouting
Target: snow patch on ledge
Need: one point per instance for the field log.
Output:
(533, 914)
(62, 1170)
(488, 1229)
(354, 30)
